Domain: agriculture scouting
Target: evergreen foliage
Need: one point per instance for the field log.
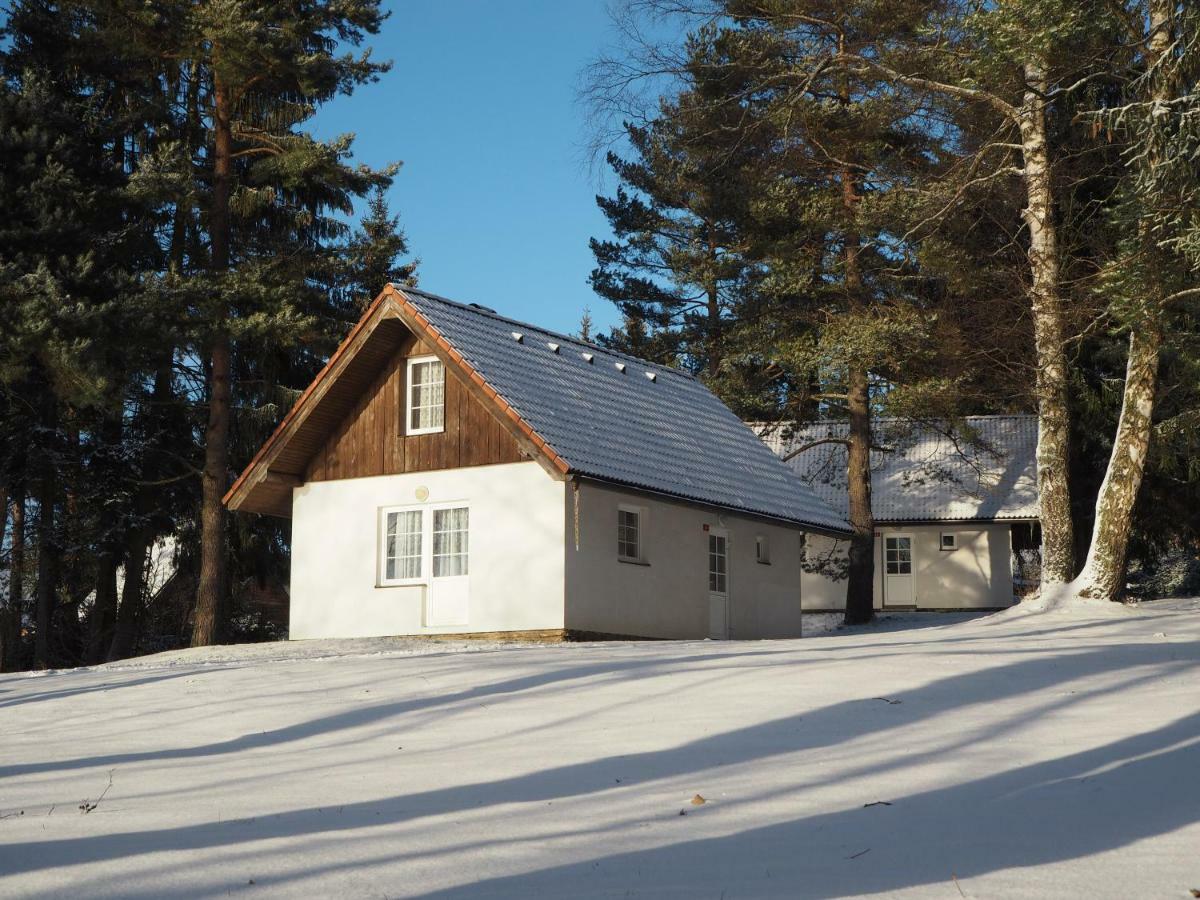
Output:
(175, 265)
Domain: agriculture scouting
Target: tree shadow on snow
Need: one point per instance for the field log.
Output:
(1073, 806)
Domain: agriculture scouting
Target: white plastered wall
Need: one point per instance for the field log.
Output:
(976, 575)
(668, 597)
(515, 564)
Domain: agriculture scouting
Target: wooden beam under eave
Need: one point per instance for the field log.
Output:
(282, 479)
(238, 495)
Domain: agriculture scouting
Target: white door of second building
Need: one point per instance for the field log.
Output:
(718, 584)
(897, 570)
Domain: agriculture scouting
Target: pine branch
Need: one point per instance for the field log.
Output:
(813, 444)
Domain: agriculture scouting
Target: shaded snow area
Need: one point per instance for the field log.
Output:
(1034, 755)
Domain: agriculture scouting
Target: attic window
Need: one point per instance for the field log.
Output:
(518, 337)
(425, 401)
(553, 346)
(652, 376)
(620, 366)
(949, 541)
(587, 357)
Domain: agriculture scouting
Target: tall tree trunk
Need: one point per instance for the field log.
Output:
(1103, 575)
(104, 611)
(211, 587)
(47, 563)
(1049, 335)
(10, 606)
(716, 338)
(860, 584)
(129, 612)
(860, 581)
(6, 607)
(3, 513)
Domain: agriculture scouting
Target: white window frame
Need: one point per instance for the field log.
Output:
(898, 562)
(381, 568)
(640, 512)
(426, 510)
(413, 362)
(720, 534)
(953, 545)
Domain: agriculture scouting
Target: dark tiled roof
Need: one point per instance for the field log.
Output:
(927, 474)
(620, 419)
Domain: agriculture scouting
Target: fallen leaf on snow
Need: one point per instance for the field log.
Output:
(697, 800)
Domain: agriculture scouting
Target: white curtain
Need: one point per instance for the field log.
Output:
(450, 530)
(404, 532)
(428, 395)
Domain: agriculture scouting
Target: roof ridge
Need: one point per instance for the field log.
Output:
(810, 423)
(490, 313)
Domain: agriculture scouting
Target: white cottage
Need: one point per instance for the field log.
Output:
(452, 471)
(952, 510)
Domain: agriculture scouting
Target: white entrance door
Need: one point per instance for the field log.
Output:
(447, 603)
(718, 584)
(897, 570)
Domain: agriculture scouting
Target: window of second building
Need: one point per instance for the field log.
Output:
(898, 555)
(629, 534)
(762, 550)
(425, 404)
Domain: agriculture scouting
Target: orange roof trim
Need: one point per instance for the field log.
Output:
(391, 302)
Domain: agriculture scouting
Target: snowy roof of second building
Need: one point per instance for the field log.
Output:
(927, 472)
(621, 419)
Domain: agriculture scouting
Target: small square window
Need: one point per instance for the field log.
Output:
(629, 535)
(762, 550)
(949, 540)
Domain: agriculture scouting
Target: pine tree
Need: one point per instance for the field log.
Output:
(809, 150)
(266, 184)
(373, 256)
(70, 245)
(676, 265)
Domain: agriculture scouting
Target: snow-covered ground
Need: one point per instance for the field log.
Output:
(1052, 755)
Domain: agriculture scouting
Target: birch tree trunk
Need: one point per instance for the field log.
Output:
(1103, 576)
(211, 586)
(1049, 335)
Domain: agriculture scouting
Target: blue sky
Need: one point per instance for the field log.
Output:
(495, 195)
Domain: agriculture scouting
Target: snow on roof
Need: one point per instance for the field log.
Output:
(621, 419)
(927, 472)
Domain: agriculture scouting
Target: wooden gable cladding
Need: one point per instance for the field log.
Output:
(333, 430)
(371, 439)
